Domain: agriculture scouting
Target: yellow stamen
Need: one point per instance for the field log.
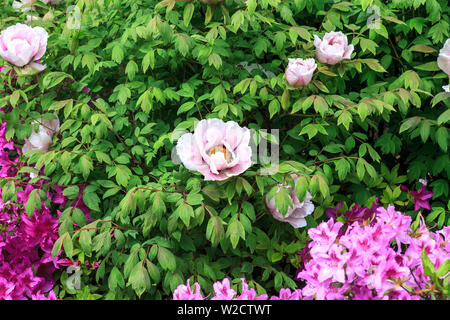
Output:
(226, 153)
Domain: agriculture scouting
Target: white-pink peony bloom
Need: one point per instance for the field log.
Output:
(333, 48)
(42, 139)
(296, 214)
(216, 149)
(300, 71)
(24, 5)
(21, 45)
(443, 59)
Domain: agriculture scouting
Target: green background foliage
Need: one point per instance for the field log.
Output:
(357, 132)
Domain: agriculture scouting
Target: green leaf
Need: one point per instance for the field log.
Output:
(33, 202)
(443, 269)
(85, 241)
(117, 54)
(442, 138)
(71, 192)
(185, 213)
(187, 13)
(115, 279)
(91, 199)
(214, 230)
(428, 266)
(235, 231)
(86, 166)
(166, 259)
(54, 78)
(68, 245)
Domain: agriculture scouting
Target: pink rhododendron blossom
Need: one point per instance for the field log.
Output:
(421, 198)
(443, 59)
(26, 263)
(223, 291)
(21, 45)
(296, 214)
(368, 260)
(300, 71)
(333, 48)
(249, 293)
(184, 292)
(286, 294)
(216, 149)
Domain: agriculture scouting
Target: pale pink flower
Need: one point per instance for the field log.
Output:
(22, 45)
(296, 214)
(42, 139)
(24, 5)
(333, 48)
(443, 59)
(300, 71)
(216, 149)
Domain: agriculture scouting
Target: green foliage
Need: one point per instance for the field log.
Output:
(360, 129)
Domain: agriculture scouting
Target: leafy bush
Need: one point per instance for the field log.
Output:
(127, 78)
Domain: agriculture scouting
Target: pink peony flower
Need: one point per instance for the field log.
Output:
(443, 59)
(300, 71)
(333, 48)
(25, 5)
(21, 45)
(216, 149)
(296, 214)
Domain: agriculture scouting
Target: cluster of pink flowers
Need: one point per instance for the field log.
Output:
(26, 263)
(330, 50)
(375, 255)
(223, 291)
(375, 259)
(24, 271)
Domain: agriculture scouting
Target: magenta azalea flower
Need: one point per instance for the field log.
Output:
(184, 292)
(420, 198)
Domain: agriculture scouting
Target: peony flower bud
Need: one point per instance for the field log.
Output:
(21, 45)
(295, 215)
(443, 59)
(216, 149)
(333, 48)
(24, 5)
(300, 72)
(42, 139)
